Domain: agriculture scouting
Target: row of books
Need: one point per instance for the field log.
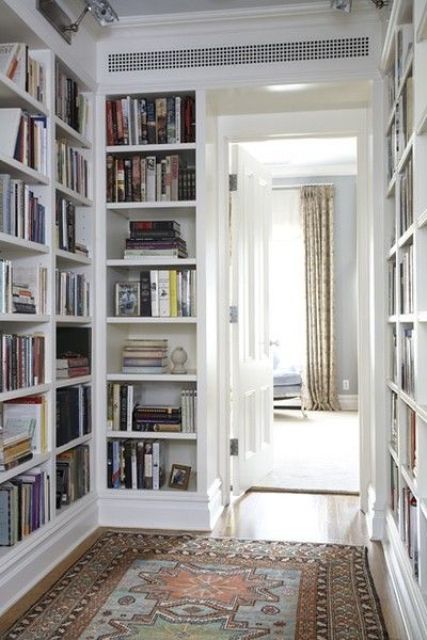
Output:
(149, 179)
(23, 361)
(70, 104)
(21, 213)
(72, 168)
(145, 356)
(72, 475)
(19, 66)
(72, 293)
(406, 269)
(24, 505)
(392, 287)
(23, 136)
(65, 227)
(22, 289)
(135, 464)
(410, 527)
(73, 413)
(407, 365)
(163, 120)
(124, 414)
(158, 293)
(71, 365)
(406, 185)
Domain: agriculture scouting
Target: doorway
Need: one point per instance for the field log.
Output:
(284, 125)
(314, 451)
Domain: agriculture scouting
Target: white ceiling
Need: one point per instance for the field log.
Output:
(306, 157)
(161, 7)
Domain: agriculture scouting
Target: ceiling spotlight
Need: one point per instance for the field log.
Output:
(101, 10)
(341, 5)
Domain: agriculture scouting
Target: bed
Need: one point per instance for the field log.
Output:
(287, 385)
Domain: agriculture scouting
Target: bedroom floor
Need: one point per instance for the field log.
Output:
(318, 453)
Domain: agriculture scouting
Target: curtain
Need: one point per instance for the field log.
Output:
(317, 211)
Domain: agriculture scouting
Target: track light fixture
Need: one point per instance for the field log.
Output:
(101, 10)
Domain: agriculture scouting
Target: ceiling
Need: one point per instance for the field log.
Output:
(126, 8)
(302, 157)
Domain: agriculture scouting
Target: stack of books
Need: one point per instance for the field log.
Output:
(156, 418)
(148, 238)
(145, 356)
(16, 442)
(72, 365)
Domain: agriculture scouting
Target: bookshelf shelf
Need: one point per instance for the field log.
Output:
(422, 220)
(128, 263)
(407, 237)
(69, 511)
(32, 318)
(421, 33)
(392, 386)
(64, 130)
(164, 493)
(391, 186)
(151, 148)
(161, 377)
(73, 443)
(21, 171)
(151, 435)
(409, 479)
(20, 246)
(35, 461)
(73, 196)
(64, 320)
(392, 251)
(69, 382)
(26, 391)
(13, 96)
(151, 320)
(392, 319)
(76, 258)
(162, 204)
(393, 454)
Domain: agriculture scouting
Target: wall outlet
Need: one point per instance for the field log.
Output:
(345, 385)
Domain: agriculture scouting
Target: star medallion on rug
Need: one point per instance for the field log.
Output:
(133, 585)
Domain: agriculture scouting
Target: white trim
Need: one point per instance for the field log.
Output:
(239, 128)
(409, 597)
(349, 402)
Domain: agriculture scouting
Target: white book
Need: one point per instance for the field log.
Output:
(154, 283)
(150, 172)
(164, 293)
(134, 466)
(129, 409)
(156, 464)
(9, 127)
(178, 119)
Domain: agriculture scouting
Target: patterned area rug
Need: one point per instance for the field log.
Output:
(180, 587)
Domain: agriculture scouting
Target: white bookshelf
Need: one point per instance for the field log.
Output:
(154, 389)
(405, 541)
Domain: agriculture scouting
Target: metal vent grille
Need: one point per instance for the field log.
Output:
(333, 48)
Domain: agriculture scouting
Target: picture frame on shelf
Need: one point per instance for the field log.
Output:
(127, 298)
(179, 476)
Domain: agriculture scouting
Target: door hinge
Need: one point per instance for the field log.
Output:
(233, 314)
(234, 446)
(232, 182)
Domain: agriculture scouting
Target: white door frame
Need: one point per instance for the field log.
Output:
(232, 129)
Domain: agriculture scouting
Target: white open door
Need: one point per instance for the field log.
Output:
(251, 368)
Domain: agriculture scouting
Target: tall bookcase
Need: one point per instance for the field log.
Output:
(405, 59)
(67, 488)
(171, 205)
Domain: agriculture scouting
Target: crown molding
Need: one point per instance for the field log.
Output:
(364, 8)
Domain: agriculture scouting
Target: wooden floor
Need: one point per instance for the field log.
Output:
(276, 516)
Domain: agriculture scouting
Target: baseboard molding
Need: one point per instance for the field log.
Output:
(349, 402)
(408, 593)
(188, 512)
(44, 550)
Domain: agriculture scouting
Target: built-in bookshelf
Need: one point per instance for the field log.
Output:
(151, 291)
(46, 231)
(406, 203)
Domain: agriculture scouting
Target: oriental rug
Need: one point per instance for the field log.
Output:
(133, 585)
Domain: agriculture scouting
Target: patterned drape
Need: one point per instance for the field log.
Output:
(317, 210)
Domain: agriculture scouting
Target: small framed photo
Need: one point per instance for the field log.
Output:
(179, 477)
(127, 298)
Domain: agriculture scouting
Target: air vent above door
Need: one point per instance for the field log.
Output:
(244, 54)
